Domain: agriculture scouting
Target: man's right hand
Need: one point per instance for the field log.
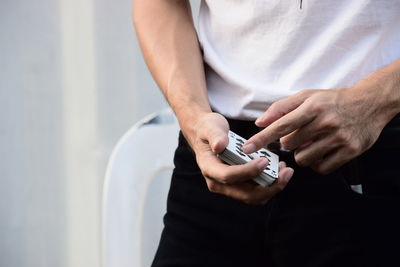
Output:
(210, 139)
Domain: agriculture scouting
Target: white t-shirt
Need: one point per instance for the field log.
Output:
(259, 51)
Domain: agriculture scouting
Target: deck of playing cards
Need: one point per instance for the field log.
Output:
(233, 155)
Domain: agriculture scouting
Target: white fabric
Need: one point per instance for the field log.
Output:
(260, 51)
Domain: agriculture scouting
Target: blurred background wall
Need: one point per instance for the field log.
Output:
(72, 81)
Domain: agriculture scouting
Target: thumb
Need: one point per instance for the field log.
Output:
(218, 140)
(282, 107)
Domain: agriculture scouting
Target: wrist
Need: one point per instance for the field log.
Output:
(381, 90)
(190, 119)
(189, 101)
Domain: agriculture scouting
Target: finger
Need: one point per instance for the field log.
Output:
(267, 193)
(315, 151)
(251, 193)
(333, 161)
(298, 139)
(282, 107)
(285, 125)
(212, 167)
(285, 174)
(259, 193)
(218, 139)
(281, 165)
(243, 192)
(310, 131)
(301, 136)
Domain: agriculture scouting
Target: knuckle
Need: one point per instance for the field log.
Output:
(353, 147)
(288, 143)
(281, 126)
(341, 137)
(205, 172)
(273, 106)
(258, 142)
(280, 186)
(212, 186)
(316, 107)
(320, 169)
(248, 200)
(245, 201)
(324, 171)
(334, 121)
(301, 161)
(330, 122)
(316, 168)
(304, 93)
(225, 178)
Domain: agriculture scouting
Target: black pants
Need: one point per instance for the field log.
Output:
(316, 221)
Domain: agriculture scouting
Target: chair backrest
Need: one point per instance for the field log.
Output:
(135, 191)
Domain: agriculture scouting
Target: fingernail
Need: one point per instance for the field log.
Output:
(249, 148)
(289, 174)
(262, 164)
(214, 145)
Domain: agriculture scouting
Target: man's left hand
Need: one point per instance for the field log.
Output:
(325, 128)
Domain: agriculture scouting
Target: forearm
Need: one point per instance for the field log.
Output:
(171, 50)
(383, 87)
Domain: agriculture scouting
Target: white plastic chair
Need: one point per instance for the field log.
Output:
(135, 191)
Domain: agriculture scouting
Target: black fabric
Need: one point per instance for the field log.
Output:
(316, 221)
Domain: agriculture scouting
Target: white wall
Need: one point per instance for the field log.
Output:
(72, 80)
